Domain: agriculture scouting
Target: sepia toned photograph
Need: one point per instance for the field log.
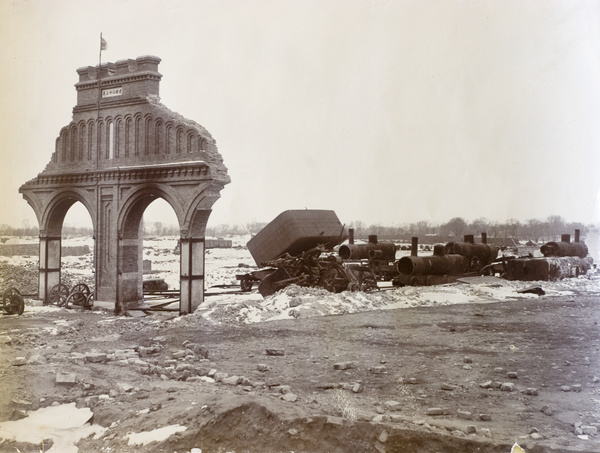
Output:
(295, 226)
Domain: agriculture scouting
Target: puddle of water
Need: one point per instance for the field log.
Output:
(64, 424)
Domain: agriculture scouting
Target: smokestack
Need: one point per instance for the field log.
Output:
(565, 238)
(577, 232)
(414, 246)
(350, 235)
(484, 238)
(372, 239)
(469, 238)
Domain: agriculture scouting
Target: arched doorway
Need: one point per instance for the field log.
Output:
(77, 250)
(51, 234)
(161, 247)
(131, 249)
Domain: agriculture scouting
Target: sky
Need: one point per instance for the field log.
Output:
(387, 112)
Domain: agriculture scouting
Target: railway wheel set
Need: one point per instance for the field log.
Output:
(13, 302)
(80, 295)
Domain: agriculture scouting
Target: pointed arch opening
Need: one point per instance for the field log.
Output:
(67, 252)
(148, 242)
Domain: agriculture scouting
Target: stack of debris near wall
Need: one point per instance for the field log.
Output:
(562, 259)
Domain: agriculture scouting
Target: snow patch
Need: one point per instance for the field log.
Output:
(64, 424)
(156, 435)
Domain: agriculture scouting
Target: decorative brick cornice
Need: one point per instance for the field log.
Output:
(160, 173)
(115, 80)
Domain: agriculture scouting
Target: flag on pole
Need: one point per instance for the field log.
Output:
(103, 44)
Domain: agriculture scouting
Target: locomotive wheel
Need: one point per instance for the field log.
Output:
(75, 298)
(12, 302)
(475, 265)
(59, 294)
(78, 295)
(81, 288)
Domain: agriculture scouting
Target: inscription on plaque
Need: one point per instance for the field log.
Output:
(111, 92)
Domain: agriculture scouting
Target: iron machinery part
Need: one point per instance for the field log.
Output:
(78, 295)
(246, 284)
(564, 249)
(273, 282)
(360, 277)
(485, 252)
(475, 264)
(432, 265)
(59, 294)
(12, 302)
(424, 280)
(333, 280)
(385, 251)
(151, 285)
(550, 268)
(295, 231)
(80, 299)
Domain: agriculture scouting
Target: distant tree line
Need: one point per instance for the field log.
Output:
(532, 230)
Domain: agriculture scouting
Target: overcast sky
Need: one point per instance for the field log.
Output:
(387, 112)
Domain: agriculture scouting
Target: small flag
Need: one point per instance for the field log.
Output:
(103, 44)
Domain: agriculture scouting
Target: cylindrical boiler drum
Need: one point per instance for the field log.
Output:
(484, 252)
(564, 249)
(432, 265)
(362, 251)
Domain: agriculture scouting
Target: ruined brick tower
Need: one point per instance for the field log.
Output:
(121, 151)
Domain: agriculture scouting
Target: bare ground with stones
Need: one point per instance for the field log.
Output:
(470, 377)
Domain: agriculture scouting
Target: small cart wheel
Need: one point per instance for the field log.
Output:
(12, 302)
(59, 294)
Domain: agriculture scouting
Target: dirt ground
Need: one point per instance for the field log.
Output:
(457, 378)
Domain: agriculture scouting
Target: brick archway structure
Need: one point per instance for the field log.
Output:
(122, 150)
